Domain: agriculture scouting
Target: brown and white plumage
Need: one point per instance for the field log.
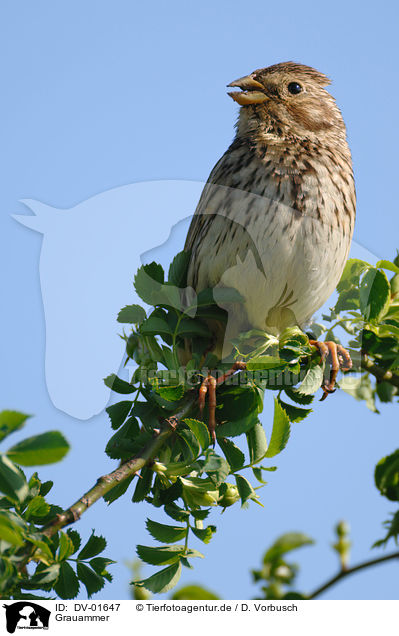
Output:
(275, 219)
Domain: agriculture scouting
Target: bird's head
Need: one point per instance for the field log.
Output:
(287, 97)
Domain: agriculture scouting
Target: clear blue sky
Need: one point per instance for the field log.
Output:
(96, 95)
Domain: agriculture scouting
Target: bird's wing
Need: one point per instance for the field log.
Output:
(201, 219)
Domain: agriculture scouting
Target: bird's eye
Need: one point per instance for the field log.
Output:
(294, 88)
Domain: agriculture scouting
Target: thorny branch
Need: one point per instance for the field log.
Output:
(343, 573)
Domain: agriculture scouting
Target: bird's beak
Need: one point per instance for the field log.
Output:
(249, 94)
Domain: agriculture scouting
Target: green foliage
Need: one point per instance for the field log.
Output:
(11, 421)
(187, 475)
(367, 310)
(387, 476)
(277, 573)
(46, 448)
(24, 515)
(280, 431)
(194, 593)
(161, 423)
(133, 314)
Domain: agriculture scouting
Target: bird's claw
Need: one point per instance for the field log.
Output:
(338, 357)
(209, 386)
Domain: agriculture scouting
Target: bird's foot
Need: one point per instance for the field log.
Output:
(209, 385)
(338, 357)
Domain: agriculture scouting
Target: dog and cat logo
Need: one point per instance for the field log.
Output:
(26, 615)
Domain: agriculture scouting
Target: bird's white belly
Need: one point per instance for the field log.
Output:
(283, 263)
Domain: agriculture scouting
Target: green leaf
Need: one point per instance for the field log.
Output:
(44, 552)
(94, 546)
(219, 296)
(164, 533)
(348, 300)
(45, 487)
(118, 490)
(204, 534)
(160, 556)
(34, 485)
(216, 467)
(193, 328)
(169, 359)
(191, 441)
(12, 481)
(257, 443)
(10, 531)
(312, 380)
(238, 402)
(177, 513)
(155, 326)
(286, 543)
(171, 393)
(119, 445)
(75, 538)
(118, 413)
(33, 597)
(295, 413)
(200, 514)
(45, 575)
(66, 547)
(293, 336)
(200, 430)
(154, 349)
(131, 314)
(280, 431)
(212, 312)
(44, 519)
(257, 471)
(194, 593)
(118, 385)
(374, 294)
(233, 454)
(300, 398)
(387, 265)
(223, 295)
(387, 476)
(92, 581)
(236, 427)
(171, 494)
(199, 492)
(265, 362)
(148, 414)
(385, 391)
(8, 572)
(162, 581)
(352, 271)
(177, 274)
(67, 585)
(11, 421)
(148, 282)
(143, 485)
(99, 564)
(37, 507)
(46, 448)
(245, 489)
